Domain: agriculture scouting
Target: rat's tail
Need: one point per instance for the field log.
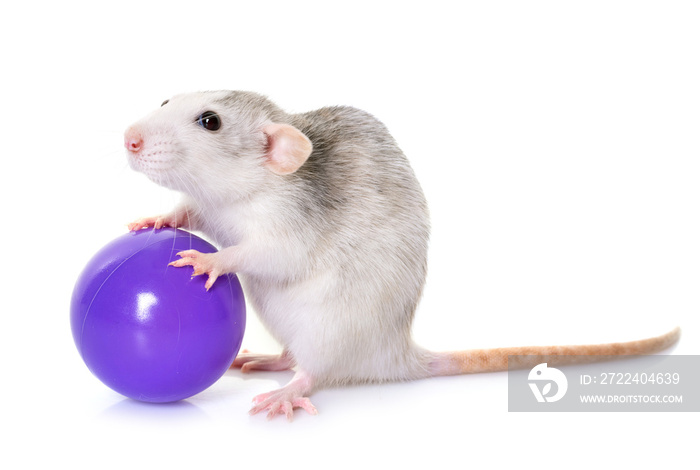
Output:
(491, 360)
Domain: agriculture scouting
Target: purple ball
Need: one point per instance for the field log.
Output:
(151, 331)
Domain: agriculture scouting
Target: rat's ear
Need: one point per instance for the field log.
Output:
(287, 148)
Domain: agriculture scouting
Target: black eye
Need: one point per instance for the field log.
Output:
(164, 103)
(209, 120)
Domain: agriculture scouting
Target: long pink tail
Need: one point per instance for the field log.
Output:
(492, 360)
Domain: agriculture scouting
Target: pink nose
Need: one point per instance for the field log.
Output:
(133, 140)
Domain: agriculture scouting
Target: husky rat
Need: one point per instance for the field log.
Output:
(324, 222)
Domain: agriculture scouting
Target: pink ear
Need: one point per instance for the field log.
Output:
(287, 148)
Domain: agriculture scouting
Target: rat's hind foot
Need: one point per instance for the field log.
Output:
(286, 399)
(281, 402)
(247, 361)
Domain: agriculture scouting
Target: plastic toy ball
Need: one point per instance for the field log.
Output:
(150, 331)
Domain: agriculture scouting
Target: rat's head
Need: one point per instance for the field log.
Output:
(215, 144)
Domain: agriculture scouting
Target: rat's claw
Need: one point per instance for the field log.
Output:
(189, 253)
(210, 282)
(306, 405)
(281, 407)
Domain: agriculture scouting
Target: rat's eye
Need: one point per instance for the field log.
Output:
(164, 103)
(209, 120)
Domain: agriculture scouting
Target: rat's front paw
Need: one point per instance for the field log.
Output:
(203, 263)
(157, 222)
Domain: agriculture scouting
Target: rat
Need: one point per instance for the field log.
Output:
(323, 220)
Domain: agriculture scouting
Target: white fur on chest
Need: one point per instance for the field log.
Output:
(267, 246)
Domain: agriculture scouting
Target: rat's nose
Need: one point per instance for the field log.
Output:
(133, 140)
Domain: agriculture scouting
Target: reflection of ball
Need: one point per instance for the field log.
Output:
(148, 330)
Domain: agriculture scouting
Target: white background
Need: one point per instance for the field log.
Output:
(557, 144)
